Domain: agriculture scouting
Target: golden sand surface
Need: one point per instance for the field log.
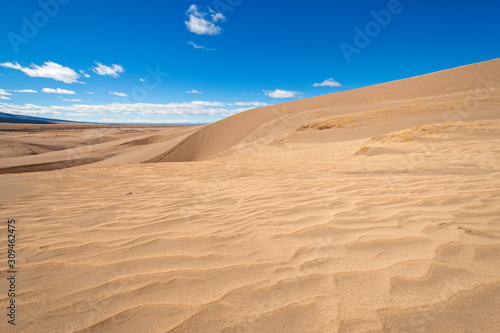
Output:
(372, 210)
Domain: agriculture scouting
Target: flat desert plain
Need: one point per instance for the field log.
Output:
(370, 210)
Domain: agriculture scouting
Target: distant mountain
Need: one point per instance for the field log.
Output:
(18, 119)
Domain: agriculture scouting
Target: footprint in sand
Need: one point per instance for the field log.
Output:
(450, 226)
(445, 225)
(467, 230)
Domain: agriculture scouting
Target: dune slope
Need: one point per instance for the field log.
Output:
(439, 93)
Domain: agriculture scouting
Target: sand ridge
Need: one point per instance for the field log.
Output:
(58, 147)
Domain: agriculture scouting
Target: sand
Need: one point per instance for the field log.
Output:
(29, 148)
(374, 210)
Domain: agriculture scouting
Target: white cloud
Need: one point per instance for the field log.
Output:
(194, 92)
(141, 79)
(142, 110)
(49, 70)
(84, 74)
(199, 47)
(327, 83)
(202, 23)
(117, 93)
(77, 114)
(72, 100)
(25, 91)
(278, 93)
(216, 17)
(204, 103)
(89, 92)
(249, 104)
(58, 91)
(4, 94)
(113, 70)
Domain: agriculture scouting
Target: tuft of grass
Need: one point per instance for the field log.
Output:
(363, 150)
(303, 127)
(336, 122)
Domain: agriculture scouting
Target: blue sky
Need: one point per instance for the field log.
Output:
(199, 61)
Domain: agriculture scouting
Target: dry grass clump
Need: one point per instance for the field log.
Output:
(334, 122)
(358, 119)
(416, 132)
(363, 150)
(368, 117)
(337, 122)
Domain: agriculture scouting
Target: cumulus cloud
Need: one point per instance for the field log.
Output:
(327, 83)
(58, 91)
(49, 70)
(202, 23)
(72, 100)
(199, 47)
(26, 91)
(249, 104)
(113, 70)
(194, 92)
(216, 17)
(205, 103)
(84, 74)
(142, 110)
(278, 93)
(4, 94)
(28, 109)
(118, 94)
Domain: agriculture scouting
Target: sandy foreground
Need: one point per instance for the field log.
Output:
(374, 210)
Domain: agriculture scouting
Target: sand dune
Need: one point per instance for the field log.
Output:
(61, 147)
(375, 210)
(447, 94)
